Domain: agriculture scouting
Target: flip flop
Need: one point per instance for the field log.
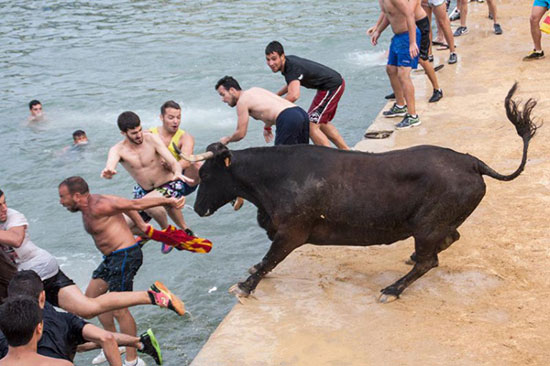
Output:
(378, 134)
(438, 67)
(436, 43)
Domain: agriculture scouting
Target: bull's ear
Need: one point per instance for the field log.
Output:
(227, 161)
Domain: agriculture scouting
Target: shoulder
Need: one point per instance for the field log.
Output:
(15, 218)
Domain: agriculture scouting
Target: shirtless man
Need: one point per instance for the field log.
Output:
(423, 24)
(146, 159)
(402, 58)
(104, 221)
(291, 121)
(169, 132)
(21, 323)
(60, 290)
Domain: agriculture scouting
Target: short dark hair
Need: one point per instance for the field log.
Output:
(228, 82)
(75, 185)
(34, 102)
(25, 283)
(169, 104)
(127, 121)
(1, 193)
(19, 317)
(274, 46)
(78, 133)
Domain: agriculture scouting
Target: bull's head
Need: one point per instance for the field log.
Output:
(217, 186)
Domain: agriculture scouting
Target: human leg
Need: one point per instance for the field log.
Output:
(391, 70)
(444, 25)
(333, 135)
(404, 76)
(317, 136)
(128, 326)
(537, 12)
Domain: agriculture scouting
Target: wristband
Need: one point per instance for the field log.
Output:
(267, 128)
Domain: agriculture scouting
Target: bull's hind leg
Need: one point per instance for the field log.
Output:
(426, 250)
(284, 242)
(449, 239)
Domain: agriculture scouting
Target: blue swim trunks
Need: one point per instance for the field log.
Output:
(543, 3)
(399, 50)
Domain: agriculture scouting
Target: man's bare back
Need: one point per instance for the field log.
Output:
(262, 104)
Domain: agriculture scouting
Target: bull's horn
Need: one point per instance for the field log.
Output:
(193, 158)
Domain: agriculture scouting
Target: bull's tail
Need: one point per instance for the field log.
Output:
(525, 127)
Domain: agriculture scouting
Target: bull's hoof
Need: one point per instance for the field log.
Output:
(387, 298)
(238, 291)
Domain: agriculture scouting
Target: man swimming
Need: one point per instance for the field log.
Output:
(150, 163)
(291, 121)
(36, 113)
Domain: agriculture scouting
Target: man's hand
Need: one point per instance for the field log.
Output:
(371, 30)
(413, 49)
(268, 135)
(108, 173)
(374, 38)
(224, 140)
(184, 178)
(176, 202)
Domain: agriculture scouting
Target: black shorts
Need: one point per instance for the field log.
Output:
(119, 268)
(424, 27)
(292, 127)
(53, 284)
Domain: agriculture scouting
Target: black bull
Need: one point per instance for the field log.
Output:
(311, 194)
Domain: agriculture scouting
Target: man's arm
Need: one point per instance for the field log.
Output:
(112, 161)
(164, 153)
(243, 116)
(187, 144)
(283, 91)
(293, 91)
(382, 24)
(106, 340)
(113, 205)
(13, 237)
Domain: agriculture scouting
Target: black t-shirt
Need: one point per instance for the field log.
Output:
(62, 333)
(311, 74)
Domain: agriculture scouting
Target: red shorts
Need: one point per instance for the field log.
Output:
(324, 105)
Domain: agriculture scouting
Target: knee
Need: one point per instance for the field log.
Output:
(391, 70)
(534, 20)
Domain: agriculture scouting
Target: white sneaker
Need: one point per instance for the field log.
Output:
(139, 362)
(101, 357)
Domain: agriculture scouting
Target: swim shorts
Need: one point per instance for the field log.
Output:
(53, 284)
(119, 268)
(435, 3)
(399, 50)
(292, 127)
(175, 188)
(324, 105)
(424, 26)
(543, 3)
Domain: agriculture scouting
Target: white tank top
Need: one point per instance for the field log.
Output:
(28, 255)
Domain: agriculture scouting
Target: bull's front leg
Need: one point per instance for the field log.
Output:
(285, 241)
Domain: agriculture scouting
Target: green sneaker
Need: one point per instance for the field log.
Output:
(408, 122)
(395, 111)
(151, 346)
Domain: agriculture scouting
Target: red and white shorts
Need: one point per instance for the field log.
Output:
(324, 105)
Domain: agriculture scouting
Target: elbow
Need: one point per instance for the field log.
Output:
(292, 97)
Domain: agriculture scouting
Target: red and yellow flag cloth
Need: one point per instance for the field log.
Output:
(179, 239)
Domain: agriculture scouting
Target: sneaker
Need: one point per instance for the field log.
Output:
(455, 14)
(498, 29)
(390, 96)
(395, 111)
(137, 362)
(100, 358)
(408, 122)
(534, 55)
(460, 31)
(161, 296)
(151, 346)
(453, 58)
(436, 96)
